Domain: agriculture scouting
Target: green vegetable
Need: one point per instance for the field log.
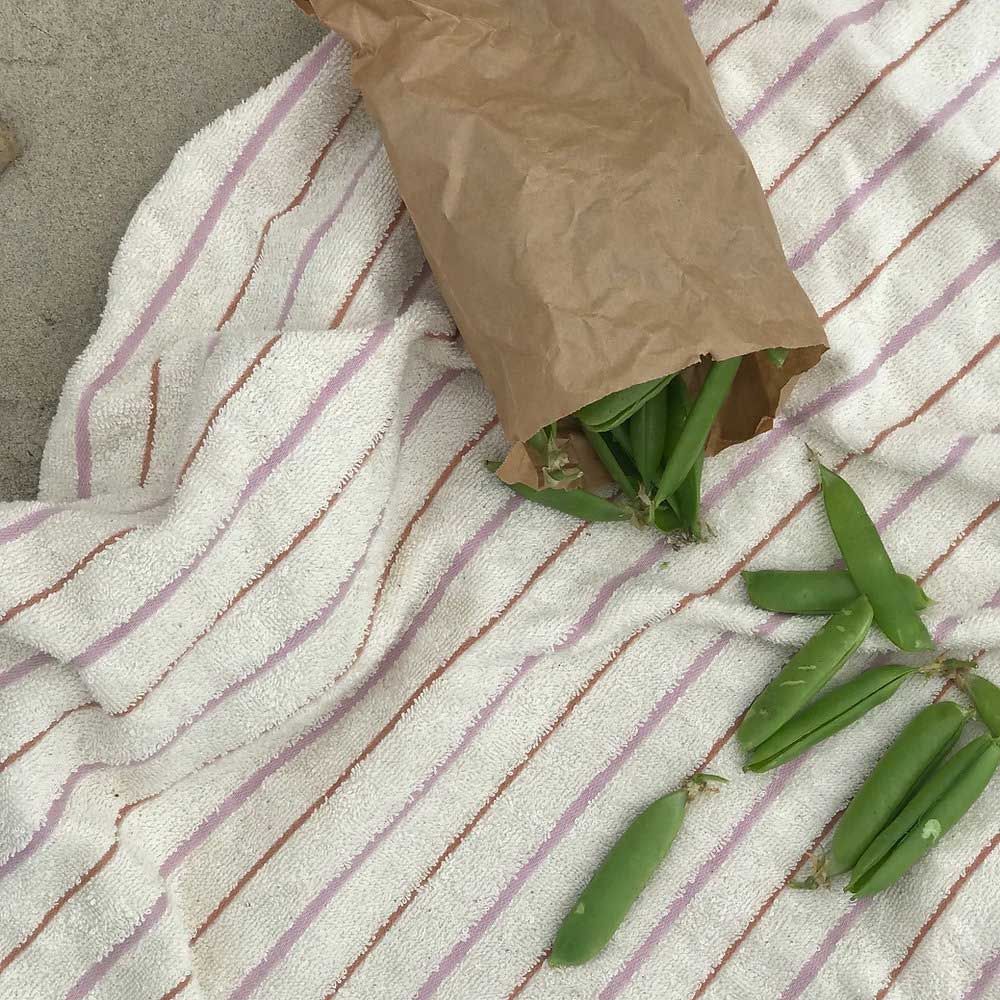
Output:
(806, 673)
(986, 697)
(622, 876)
(692, 439)
(615, 408)
(919, 748)
(647, 430)
(870, 566)
(687, 499)
(777, 356)
(828, 715)
(576, 502)
(813, 592)
(607, 457)
(944, 802)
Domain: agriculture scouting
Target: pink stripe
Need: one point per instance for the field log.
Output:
(812, 52)
(766, 444)
(317, 235)
(240, 795)
(29, 522)
(920, 138)
(192, 251)
(100, 969)
(58, 806)
(977, 989)
(316, 905)
(426, 398)
(818, 959)
(24, 668)
(257, 478)
(600, 782)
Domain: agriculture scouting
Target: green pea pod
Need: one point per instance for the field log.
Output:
(806, 673)
(922, 744)
(611, 463)
(622, 876)
(692, 440)
(986, 697)
(933, 823)
(937, 784)
(667, 520)
(870, 566)
(576, 502)
(615, 408)
(777, 356)
(813, 592)
(687, 499)
(827, 715)
(647, 430)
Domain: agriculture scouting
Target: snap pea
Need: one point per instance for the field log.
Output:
(647, 429)
(622, 876)
(620, 436)
(938, 782)
(922, 744)
(576, 502)
(610, 463)
(687, 499)
(667, 520)
(805, 673)
(692, 440)
(986, 697)
(615, 408)
(813, 592)
(828, 715)
(777, 355)
(933, 823)
(870, 566)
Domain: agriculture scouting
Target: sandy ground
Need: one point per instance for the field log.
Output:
(99, 94)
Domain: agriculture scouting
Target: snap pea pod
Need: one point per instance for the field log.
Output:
(614, 409)
(620, 436)
(777, 356)
(986, 697)
(622, 876)
(829, 714)
(806, 673)
(610, 463)
(813, 592)
(647, 429)
(870, 566)
(919, 748)
(933, 823)
(576, 502)
(687, 499)
(937, 784)
(692, 440)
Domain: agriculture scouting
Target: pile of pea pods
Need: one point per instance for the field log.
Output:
(916, 793)
(651, 439)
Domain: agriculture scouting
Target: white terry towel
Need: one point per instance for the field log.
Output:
(299, 701)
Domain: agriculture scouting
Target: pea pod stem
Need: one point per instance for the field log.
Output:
(805, 674)
(870, 566)
(713, 394)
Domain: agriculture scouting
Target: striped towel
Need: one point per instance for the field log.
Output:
(299, 702)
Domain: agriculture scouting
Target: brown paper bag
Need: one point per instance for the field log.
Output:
(589, 215)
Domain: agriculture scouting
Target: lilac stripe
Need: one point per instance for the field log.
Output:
(58, 805)
(257, 478)
(818, 959)
(809, 55)
(28, 523)
(100, 969)
(977, 989)
(921, 137)
(317, 904)
(196, 243)
(691, 6)
(56, 808)
(244, 791)
(713, 864)
(956, 453)
(837, 393)
(24, 668)
(425, 400)
(317, 235)
(597, 784)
